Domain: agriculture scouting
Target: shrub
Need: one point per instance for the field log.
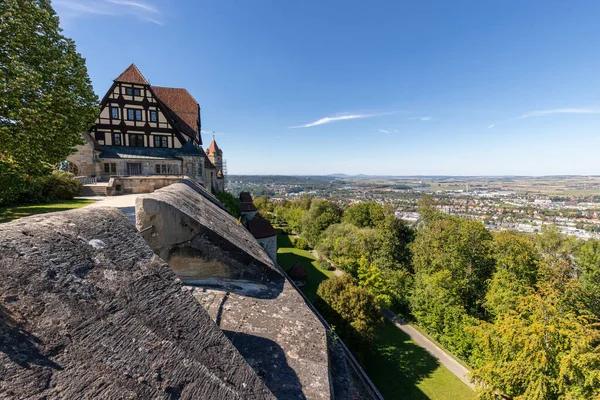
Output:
(299, 243)
(352, 309)
(59, 186)
(324, 264)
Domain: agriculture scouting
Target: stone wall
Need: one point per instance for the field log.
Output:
(270, 246)
(241, 287)
(139, 184)
(87, 311)
(85, 159)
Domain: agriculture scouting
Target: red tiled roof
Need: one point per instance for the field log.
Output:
(183, 105)
(247, 207)
(246, 197)
(261, 228)
(132, 75)
(213, 148)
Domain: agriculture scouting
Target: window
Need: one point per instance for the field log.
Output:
(161, 141)
(129, 91)
(134, 114)
(166, 169)
(114, 113)
(116, 139)
(153, 116)
(110, 168)
(136, 140)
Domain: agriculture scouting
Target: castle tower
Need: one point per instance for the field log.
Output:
(215, 155)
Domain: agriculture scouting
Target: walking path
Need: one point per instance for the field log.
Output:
(444, 358)
(125, 203)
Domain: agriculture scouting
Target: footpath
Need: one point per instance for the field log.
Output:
(444, 358)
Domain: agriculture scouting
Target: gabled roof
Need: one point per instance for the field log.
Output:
(261, 228)
(132, 75)
(214, 148)
(183, 105)
(246, 197)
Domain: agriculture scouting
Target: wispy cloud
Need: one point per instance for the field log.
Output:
(540, 113)
(344, 117)
(423, 119)
(74, 9)
(491, 126)
(388, 131)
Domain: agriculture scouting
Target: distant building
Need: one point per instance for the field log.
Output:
(146, 130)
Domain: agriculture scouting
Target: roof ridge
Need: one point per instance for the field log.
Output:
(132, 70)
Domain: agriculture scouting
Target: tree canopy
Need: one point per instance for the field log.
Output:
(46, 97)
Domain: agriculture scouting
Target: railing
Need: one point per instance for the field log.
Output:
(87, 180)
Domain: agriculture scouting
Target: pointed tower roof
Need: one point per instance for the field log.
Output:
(213, 148)
(132, 75)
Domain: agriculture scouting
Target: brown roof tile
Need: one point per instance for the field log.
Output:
(261, 228)
(132, 75)
(183, 105)
(213, 148)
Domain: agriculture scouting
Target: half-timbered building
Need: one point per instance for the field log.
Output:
(146, 130)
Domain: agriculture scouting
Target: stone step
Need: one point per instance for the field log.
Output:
(93, 190)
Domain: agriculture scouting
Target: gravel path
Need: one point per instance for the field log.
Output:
(444, 358)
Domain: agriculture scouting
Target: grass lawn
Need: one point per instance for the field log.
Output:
(402, 370)
(11, 213)
(288, 256)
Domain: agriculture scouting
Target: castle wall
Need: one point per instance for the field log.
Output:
(270, 246)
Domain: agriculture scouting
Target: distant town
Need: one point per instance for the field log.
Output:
(524, 204)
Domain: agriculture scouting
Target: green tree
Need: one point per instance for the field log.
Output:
(463, 248)
(320, 216)
(351, 309)
(516, 271)
(394, 239)
(544, 349)
(588, 263)
(365, 215)
(46, 97)
(371, 277)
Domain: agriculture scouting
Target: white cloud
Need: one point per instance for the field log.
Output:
(423, 119)
(491, 126)
(75, 9)
(540, 113)
(328, 120)
(384, 131)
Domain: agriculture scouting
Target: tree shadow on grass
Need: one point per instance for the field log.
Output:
(396, 365)
(314, 276)
(283, 240)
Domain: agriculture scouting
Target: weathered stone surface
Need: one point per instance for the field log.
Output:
(200, 240)
(243, 290)
(88, 311)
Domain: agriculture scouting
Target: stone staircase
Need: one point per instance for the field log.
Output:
(99, 189)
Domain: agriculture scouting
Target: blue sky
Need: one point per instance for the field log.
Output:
(422, 87)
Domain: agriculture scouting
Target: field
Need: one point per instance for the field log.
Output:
(11, 213)
(399, 368)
